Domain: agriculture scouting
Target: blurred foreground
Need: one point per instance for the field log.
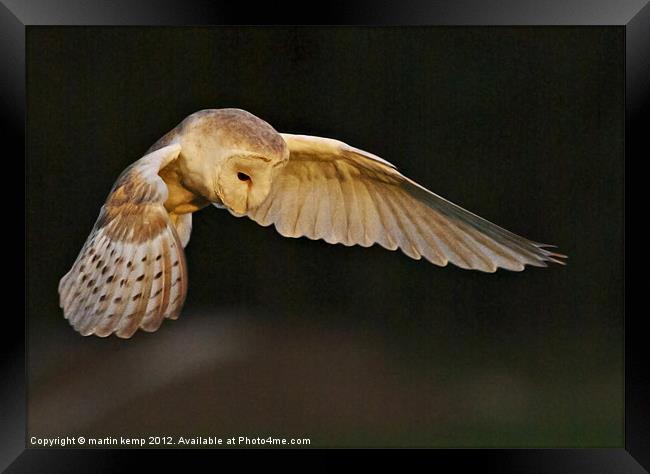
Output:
(218, 373)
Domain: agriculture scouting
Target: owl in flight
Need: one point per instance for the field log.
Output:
(131, 272)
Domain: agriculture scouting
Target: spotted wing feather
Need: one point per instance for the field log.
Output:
(131, 272)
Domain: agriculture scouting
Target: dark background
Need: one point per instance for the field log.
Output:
(348, 346)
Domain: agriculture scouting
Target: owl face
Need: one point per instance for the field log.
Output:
(244, 181)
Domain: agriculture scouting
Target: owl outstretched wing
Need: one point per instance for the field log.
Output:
(329, 190)
(131, 272)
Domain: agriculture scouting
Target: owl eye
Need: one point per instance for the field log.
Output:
(243, 177)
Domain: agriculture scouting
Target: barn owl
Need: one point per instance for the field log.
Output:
(131, 273)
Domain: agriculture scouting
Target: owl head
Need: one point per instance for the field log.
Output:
(231, 156)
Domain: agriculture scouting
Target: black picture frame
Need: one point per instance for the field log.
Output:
(634, 16)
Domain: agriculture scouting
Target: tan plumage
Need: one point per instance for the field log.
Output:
(131, 272)
(329, 190)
